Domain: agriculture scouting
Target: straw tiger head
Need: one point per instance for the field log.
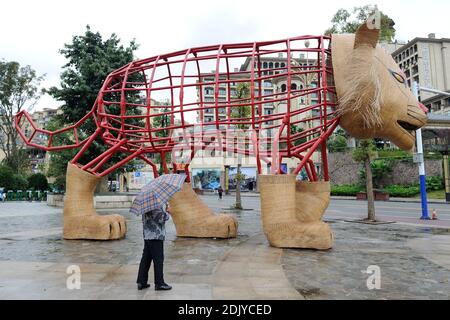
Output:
(374, 100)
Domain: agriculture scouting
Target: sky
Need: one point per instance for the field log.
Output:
(33, 32)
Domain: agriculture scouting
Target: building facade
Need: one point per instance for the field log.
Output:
(208, 170)
(427, 62)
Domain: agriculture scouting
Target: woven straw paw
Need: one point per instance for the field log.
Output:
(95, 227)
(312, 235)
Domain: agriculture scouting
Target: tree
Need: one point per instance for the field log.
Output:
(10, 180)
(294, 130)
(162, 121)
(365, 152)
(345, 22)
(18, 91)
(240, 113)
(37, 181)
(90, 60)
(337, 141)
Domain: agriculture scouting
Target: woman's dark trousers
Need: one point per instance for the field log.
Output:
(153, 250)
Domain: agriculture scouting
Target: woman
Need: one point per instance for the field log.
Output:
(154, 236)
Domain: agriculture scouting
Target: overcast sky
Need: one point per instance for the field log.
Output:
(32, 32)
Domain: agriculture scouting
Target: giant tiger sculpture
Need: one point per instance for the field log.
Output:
(356, 85)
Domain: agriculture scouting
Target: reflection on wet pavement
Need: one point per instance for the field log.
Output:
(414, 261)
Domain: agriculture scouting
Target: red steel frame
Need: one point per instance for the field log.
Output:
(181, 77)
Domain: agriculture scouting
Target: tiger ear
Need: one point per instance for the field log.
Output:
(367, 34)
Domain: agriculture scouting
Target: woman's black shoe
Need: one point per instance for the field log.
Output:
(143, 286)
(163, 286)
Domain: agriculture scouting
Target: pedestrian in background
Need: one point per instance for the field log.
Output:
(220, 191)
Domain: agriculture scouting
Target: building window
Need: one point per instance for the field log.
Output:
(283, 87)
(293, 86)
(209, 90)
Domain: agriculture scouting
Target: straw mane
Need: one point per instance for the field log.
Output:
(363, 94)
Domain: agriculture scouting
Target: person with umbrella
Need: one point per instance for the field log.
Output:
(151, 204)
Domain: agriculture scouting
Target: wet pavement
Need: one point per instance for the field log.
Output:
(414, 261)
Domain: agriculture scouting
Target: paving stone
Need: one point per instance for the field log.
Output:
(414, 261)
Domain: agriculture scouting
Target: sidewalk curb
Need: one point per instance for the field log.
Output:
(432, 201)
(407, 200)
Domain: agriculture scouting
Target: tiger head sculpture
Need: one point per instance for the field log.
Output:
(374, 99)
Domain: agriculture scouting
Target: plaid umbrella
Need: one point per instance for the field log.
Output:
(156, 193)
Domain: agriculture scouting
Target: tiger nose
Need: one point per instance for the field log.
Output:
(424, 109)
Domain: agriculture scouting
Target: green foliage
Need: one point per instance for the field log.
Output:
(37, 181)
(381, 168)
(59, 159)
(434, 183)
(6, 174)
(18, 91)
(10, 180)
(402, 191)
(296, 129)
(345, 190)
(90, 60)
(394, 153)
(365, 150)
(18, 160)
(337, 142)
(242, 92)
(345, 22)
(162, 121)
(19, 182)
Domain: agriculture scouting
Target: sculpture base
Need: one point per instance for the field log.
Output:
(193, 218)
(285, 224)
(80, 219)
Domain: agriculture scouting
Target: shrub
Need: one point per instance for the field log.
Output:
(6, 177)
(381, 169)
(402, 191)
(19, 182)
(10, 180)
(434, 183)
(345, 190)
(37, 181)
